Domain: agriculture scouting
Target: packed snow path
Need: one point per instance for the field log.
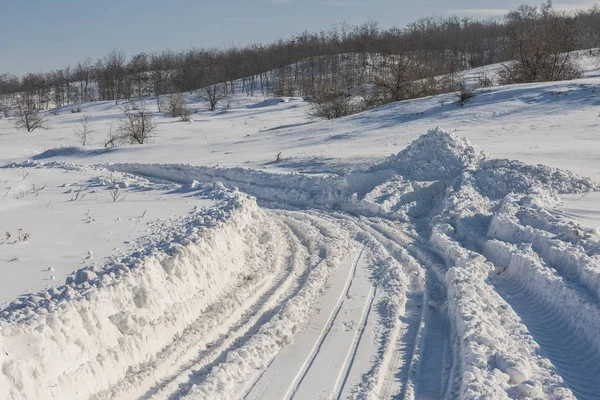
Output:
(441, 274)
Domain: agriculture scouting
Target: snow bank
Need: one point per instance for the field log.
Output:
(569, 259)
(474, 211)
(80, 338)
(498, 356)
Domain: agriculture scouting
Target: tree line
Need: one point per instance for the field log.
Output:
(534, 42)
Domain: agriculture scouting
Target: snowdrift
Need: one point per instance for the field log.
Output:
(475, 229)
(77, 339)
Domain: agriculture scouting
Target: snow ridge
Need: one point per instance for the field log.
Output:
(451, 238)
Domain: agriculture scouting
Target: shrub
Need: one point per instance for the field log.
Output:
(177, 107)
(28, 116)
(464, 94)
(329, 102)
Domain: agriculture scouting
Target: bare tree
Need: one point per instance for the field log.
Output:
(329, 102)
(5, 109)
(213, 94)
(402, 77)
(28, 116)
(541, 41)
(177, 107)
(136, 126)
(84, 74)
(112, 139)
(83, 131)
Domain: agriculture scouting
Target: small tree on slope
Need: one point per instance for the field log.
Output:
(28, 116)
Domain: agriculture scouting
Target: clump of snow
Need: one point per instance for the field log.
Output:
(436, 155)
(498, 178)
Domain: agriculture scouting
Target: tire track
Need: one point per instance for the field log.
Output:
(309, 243)
(400, 374)
(398, 358)
(426, 341)
(355, 343)
(309, 362)
(390, 353)
(196, 350)
(423, 327)
(574, 354)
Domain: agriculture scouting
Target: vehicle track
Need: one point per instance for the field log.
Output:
(198, 347)
(423, 327)
(310, 360)
(316, 340)
(554, 325)
(425, 342)
(355, 344)
(417, 356)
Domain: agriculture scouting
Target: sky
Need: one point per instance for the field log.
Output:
(40, 35)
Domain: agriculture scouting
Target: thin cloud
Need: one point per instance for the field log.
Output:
(335, 3)
(572, 7)
(338, 3)
(481, 11)
(242, 19)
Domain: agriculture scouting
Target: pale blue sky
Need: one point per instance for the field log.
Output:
(38, 35)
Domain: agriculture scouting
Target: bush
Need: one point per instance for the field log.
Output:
(177, 107)
(5, 110)
(136, 127)
(27, 114)
(329, 102)
(484, 81)
(464, 94)
(517, 72)
(541, 41)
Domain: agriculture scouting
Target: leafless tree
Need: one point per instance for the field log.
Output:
(112, 139)
(213, 94)
(330, 102)
(177, 107)
(83, 131)
(28, 116)
(351, 56)
(136, 127)
(402, 77)
(541, 41)
(111, 76)
(5, 109)
(84, 75)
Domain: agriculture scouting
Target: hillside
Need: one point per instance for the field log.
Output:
(419, 250)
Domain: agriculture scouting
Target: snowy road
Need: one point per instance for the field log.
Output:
(449, 276)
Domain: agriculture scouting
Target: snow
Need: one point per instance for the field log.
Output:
(581, 209)
(66, 234)
(465, 265)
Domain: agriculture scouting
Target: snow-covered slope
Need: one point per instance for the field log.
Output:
(439, 272)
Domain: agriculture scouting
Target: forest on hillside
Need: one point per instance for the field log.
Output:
(535, 43)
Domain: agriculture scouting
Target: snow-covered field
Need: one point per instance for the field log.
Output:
(379, 258)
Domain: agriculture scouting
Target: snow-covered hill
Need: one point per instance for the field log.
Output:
(379, 257)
